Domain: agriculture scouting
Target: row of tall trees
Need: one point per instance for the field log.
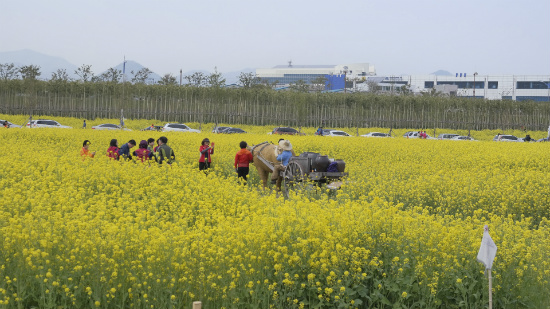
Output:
(260, 105)
(85, 74)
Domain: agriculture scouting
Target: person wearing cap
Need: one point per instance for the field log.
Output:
(163, 152)
(124, 151)
(243, 158)
(285, 155)
(142, 152)
(206, 152)
(280, 150)
(85, 151)
(112, 151)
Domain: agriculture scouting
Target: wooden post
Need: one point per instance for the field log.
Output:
(490, 290)
(197, 305)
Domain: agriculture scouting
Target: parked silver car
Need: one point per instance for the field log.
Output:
(46, 123)
(233, 131)
(109, 126)
(415, 134)
(376, 134)
(462, 138)
(331, 132)
(447, 136)
(506, 138)
(178, 127)
(219, 129)
(10, 125)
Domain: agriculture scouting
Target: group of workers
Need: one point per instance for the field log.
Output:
(164, 153)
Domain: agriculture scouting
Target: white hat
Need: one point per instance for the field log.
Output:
(285, 145)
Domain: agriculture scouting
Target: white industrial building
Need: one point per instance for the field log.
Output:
(491, 87)
(288, 74)
(363, 75)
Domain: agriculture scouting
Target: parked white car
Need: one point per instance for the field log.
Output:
(109, 126)
(10, 125)
(416, 134)
(376, 134)
(45, 123)
(462, 138)
(447, 136)
(330, 132)
(219, 129)
(178, 127)
(507, 138)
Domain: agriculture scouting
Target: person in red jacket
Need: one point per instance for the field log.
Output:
(112, 151)
(142, 152)
(242, 161)
(206, 152)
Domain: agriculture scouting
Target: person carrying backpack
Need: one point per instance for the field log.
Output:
(112, 151)
(164, 153)
(319, 131)
(142, 152)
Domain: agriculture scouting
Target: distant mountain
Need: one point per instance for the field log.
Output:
(441, 73)
(233, 77)
(132, 66)
(48, 64)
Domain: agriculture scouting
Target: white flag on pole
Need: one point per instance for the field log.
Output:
(487, 250)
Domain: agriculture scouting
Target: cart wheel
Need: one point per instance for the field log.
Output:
(293, 176)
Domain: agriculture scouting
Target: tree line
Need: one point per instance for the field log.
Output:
(9, 71)
(207, 100)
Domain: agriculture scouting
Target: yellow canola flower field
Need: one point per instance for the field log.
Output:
(403, 231)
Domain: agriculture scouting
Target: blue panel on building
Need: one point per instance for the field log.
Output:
(334, 82)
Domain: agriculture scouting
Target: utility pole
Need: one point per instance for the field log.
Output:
(124, 70)
(475, 73)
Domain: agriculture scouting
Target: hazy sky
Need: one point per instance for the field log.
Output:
(398, 36)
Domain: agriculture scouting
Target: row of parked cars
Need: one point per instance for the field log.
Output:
(409, 134)
(292, 131)
(443, 136)
(180, 127)
(512, 138)
(169, 127)
(47, 123)
(331, 132)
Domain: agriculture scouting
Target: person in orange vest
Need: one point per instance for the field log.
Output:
(85, 151)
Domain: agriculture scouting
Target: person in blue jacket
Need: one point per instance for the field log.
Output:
(285, 149)
(124, 151)
(319, 131)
